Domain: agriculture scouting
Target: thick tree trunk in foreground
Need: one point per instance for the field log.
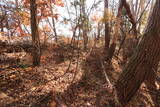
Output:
(143, 61)
(35, 35)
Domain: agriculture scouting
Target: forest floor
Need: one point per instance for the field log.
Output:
(68, 76)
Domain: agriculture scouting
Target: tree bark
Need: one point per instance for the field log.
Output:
(53, 22)
(35, 34)
(151, 86)
(107, 33)
(144, 59)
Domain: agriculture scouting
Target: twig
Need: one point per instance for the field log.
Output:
(106, 77)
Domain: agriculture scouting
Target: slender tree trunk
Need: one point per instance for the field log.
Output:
(108, 50)
(35, 34)
(55, 32)
(85, 37)
(136, 7)
(132, 6)
(53, 22)
(1, 22)
(107, 33)
(144, 59)
(131, 16)
(85, 24)
(98, 31)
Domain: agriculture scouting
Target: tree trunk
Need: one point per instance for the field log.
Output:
(85, 37)
(35, 35)
(107, 33)
(144, 59)
(151, 86)
(84, 24)
(55, 32)
(53, 22)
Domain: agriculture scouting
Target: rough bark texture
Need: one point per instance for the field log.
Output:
(35, 35)
(144, 59)
(151, 86)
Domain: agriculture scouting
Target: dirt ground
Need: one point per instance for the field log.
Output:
(64, 79)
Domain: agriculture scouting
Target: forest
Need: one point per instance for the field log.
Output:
(79, 53)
